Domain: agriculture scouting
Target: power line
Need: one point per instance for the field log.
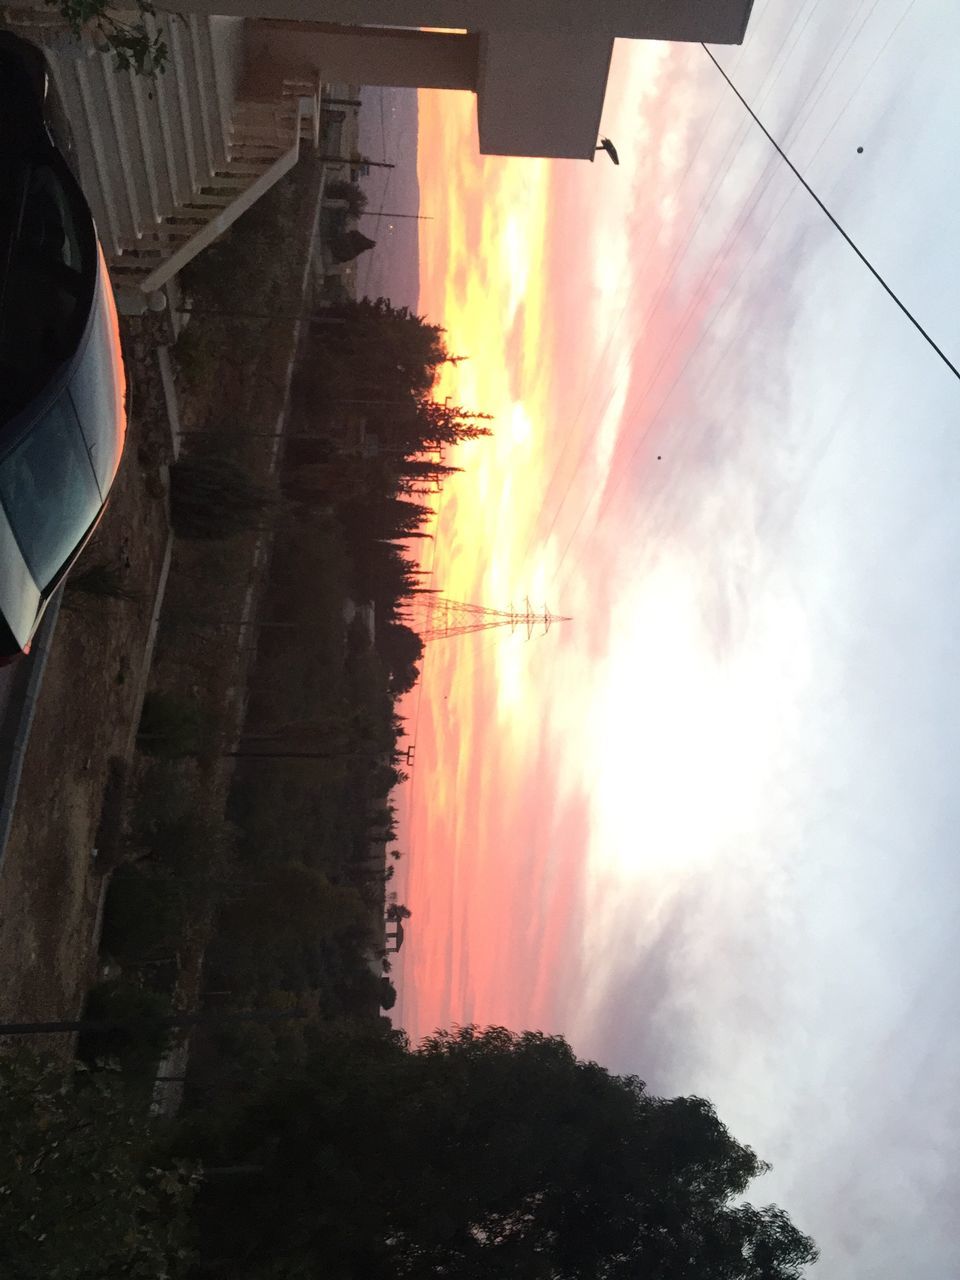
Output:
(863, 79)
(832, 219)
(809, 106)
(625, 470)
(707, 200)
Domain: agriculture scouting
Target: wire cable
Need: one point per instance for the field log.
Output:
(685, 245)
(831, 218)
(863, 79)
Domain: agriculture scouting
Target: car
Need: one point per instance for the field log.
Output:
(63, 404)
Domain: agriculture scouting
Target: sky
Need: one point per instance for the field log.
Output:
(709, 828)
(388, 135)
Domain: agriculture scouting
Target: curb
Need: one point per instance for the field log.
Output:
(146, 663)
(40, 653)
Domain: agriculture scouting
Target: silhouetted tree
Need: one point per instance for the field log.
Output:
(486, 1154)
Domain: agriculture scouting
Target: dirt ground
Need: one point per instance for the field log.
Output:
(75, 776)
(49, 880)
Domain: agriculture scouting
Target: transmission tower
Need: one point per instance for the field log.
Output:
(443, 618)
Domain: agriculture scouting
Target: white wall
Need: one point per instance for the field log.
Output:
(717, 21)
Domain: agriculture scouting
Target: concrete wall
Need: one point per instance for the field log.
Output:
(716, 21)
(360, 55)
(539, 67)
(542, 96)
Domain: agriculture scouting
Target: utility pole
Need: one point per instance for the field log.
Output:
(131, 1024)
(356, 161)
(235, 314)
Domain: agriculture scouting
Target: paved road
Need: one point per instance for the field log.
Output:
(6, 684)
(19, 689)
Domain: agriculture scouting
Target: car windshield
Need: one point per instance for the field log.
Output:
(46, 285)
(49, 492)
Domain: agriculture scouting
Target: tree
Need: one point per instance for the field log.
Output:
(289, 904)
(127, 36)
(388, 994)
(85, 1188)
(390, 350)
(486, 1154)
(351, 192)
(449, 423)
(401, 649)
(347, 245)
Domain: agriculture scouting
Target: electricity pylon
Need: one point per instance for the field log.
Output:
(443, 618)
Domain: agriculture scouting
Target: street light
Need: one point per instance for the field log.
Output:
(607, 146)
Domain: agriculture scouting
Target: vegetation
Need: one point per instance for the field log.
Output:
(351, 192)
(100, 581)
(130, 38)
(135, 1040)
(481, 1154)
(212, 497)
(88, 1187)
(328, 1144)
(171, 726)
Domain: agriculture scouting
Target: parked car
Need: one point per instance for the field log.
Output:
(62, 383)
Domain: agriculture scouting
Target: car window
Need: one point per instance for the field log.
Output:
(49, 227)
(49, 492)
(48, 284)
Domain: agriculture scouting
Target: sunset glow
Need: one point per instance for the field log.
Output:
(707, 828)
(546, 277)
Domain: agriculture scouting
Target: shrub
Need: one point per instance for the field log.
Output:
(103, 581)
(89, 1188)
(139, 1041)
(143, 915)
(128, 38)
(213, 497)
(341, 189)
(172, 726)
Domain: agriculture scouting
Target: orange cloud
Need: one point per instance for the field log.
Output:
(559, 281)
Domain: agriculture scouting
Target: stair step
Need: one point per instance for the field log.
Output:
(166, 98)
(132, 178)
(214, 119)
(155, 144)
(178, 73)
(95, 169)
(198, 94)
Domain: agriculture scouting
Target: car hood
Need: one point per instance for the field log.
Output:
(20, 597)
(97, 383)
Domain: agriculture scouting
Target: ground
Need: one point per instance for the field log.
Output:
(49, 880)
(82, 772)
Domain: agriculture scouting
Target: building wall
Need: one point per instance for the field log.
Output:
(716, 21)
(542, 96)
(539, 67)
(362, 55)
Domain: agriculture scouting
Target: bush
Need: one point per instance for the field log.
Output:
(213, 497)
(355, 197)
(139, 1042)
(144, 915)
(102, 581)
(89, 1188)
(172, 726)
(130, 41)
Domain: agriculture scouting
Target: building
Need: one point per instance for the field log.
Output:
(170, 162)
(538, 67)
